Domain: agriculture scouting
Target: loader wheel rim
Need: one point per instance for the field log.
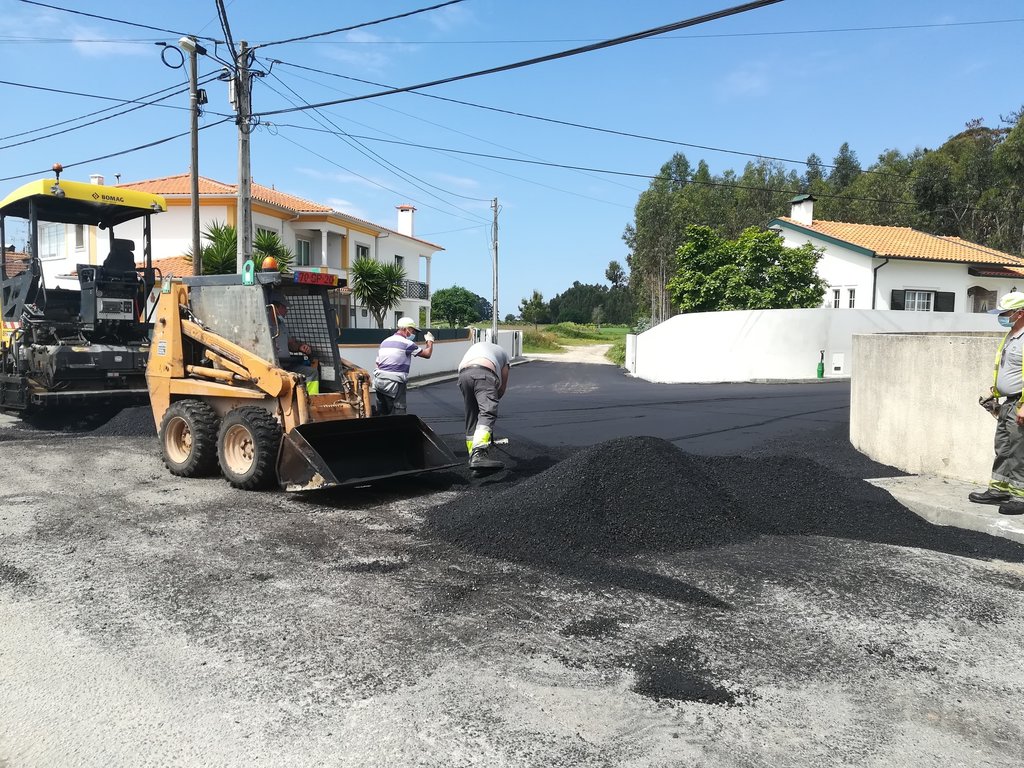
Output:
(239, 449)
(178, 440)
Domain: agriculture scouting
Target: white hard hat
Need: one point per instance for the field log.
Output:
(1010, 302)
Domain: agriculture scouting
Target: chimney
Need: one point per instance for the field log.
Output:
(95, 178)
(405, 213)
(802, 209)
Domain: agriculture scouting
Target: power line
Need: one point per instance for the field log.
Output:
(735, 10)
(113, 154)
(652, 177)
(101, 119)
(362, 25)
(366, 179)
(583, 126)
(108, 18)
(775, 33)
(376, 158)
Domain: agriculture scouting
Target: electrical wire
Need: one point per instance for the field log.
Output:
(583, 126)
(630, 174)
(119, 153)
(340, 133)
(138, 106)
(362, 25)
(108, 18)
(691, 22)
(691, 37)
(203, 81)
(366, 179)
(222, 15)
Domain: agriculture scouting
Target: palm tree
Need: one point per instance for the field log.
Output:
(269, 244)
(378, 287)
(220, 252)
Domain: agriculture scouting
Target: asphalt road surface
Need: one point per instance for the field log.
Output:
(744, 601)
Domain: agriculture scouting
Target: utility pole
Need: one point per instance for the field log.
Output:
(196, 98)
(243, 106)
(494, 267)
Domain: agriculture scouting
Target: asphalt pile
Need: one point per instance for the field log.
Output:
(643, 495)
(130, 422)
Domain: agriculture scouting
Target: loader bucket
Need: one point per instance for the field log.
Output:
(328, 454)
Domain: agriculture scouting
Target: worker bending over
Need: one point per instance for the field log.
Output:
(483, 378)
(394, 359)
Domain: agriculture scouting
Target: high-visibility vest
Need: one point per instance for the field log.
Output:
(999, 359)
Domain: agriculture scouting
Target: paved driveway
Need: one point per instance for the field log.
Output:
(749, 602)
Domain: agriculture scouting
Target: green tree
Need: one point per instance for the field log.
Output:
(597, 315)
(754, 271)
(615, 274)
(534, 309)
(378, 287)
(457, 306)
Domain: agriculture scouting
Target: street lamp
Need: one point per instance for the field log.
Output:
(197, 97)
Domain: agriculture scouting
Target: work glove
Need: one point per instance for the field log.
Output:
(990, 404)
(428, 336)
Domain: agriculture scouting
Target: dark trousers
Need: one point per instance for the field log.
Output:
(479, 387)
(1008, 467)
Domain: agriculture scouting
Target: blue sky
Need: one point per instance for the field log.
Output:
(771, 81)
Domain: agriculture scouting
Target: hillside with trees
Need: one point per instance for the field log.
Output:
(970, 187)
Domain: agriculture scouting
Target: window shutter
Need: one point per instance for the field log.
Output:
(944, 301)
(897, 300)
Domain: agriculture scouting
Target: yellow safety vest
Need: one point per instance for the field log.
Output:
(999, 359)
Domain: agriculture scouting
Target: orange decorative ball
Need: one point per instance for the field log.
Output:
(269, 264)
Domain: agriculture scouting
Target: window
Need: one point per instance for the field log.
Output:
(364, 313)
(79, 237)
(362, 251)
(51, 241)
(853, 298)
(398, 316)
(835, 298)
(918, 301)
(264, 231)
(302, 253)
(400, 261)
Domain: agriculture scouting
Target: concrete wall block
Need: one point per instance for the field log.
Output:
(914, 402)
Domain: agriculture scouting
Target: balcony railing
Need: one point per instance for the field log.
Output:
(416, 290)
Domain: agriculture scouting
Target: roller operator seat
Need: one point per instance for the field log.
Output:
(122, 257)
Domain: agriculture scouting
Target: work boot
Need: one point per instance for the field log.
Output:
(989, 496)
(1014, 506)
(479, 460)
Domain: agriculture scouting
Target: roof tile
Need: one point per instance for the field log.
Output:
(907, 243)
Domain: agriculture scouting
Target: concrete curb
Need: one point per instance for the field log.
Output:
(941, 501)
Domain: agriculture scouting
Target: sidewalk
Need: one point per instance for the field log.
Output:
(944, 502)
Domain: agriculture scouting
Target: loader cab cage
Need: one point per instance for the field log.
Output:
(242, 314)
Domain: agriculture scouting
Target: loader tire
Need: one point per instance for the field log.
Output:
(188, 438)
(247, 447)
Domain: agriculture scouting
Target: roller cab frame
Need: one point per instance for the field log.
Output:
(70, 354)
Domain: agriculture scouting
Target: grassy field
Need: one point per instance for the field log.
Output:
(554, 338)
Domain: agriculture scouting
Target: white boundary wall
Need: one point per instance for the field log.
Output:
(773, 344)
(914, 402)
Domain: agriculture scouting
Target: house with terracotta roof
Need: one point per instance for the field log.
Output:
(321, 238)
(868, 266)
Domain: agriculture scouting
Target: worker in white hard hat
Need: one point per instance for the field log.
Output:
(394, 359)
(1006, 488)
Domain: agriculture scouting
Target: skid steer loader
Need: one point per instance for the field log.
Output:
(221, 395)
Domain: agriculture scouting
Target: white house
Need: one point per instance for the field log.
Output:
(868, 266)
(322, 239)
